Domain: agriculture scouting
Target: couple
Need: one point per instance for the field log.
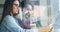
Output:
(8, 22)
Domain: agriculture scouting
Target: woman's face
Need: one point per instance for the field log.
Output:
(16, 7)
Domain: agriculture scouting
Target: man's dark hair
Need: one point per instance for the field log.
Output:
(25, 2)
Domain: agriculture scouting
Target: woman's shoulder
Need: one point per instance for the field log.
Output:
(8, 17)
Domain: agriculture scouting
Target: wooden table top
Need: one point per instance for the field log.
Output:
(44, 29)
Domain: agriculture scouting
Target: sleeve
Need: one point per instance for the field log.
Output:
(11, 25)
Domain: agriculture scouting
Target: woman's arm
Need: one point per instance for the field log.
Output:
(11, 25)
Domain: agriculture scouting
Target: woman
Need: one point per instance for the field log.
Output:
(9, 22)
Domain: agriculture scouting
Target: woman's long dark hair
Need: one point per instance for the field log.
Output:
(8, 5)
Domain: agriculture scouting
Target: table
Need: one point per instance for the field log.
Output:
(44, 29)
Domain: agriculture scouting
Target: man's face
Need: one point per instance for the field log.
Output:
(27, 10)
(28, 7)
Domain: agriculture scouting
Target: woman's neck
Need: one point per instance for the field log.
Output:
(11, 13)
